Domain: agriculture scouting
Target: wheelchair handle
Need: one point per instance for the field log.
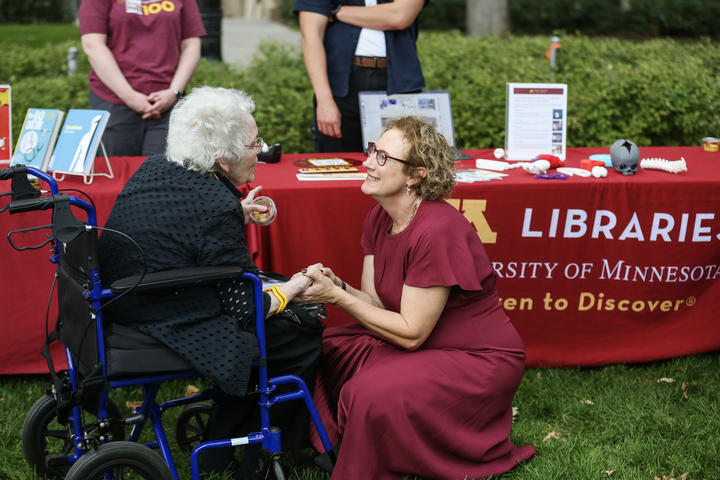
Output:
(8, 173)
(30, 204)
(46, 203)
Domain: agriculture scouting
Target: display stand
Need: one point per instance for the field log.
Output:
(88, 177)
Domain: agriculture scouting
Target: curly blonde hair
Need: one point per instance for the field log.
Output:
(429, 149)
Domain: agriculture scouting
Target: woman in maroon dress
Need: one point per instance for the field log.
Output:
(423, 384)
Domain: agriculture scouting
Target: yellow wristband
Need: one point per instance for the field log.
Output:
(280, 296)
(277, 297)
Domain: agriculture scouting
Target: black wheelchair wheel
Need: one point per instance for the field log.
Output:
(120, 461)
(46, 443)
(190, 426)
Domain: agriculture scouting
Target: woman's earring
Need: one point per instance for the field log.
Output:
(407, 189)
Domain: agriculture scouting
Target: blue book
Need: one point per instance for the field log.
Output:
(37, 137)
(78, 142)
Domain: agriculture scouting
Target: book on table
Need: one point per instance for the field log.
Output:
(78, 142)
(5, 124)
(37, 137)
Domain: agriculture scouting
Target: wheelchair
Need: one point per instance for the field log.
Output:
(90, 440)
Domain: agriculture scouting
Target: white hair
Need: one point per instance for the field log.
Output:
(208, 124)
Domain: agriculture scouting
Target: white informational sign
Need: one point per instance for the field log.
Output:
(378, 108)
(535, 120)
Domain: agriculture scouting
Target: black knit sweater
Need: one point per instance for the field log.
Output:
(182, 218)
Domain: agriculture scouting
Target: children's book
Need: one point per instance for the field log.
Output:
(37, 137)
(5, 124)
(78, 142)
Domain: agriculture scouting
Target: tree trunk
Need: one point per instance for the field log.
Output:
(487, 16)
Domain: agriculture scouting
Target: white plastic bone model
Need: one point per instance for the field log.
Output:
(497, 165)
(599, 172)
(573, 171)
(676, 166)
(537, 167)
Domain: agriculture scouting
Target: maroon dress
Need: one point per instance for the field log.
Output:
(443, 411)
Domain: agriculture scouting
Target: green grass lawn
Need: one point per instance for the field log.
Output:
(38, 35)
(629, 422)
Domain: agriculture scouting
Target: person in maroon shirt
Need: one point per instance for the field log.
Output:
(143, 54)
(423, 384)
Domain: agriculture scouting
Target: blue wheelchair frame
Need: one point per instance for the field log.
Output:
(268, 437)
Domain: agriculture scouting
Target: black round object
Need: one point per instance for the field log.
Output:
(126, 460)
(190, 426)
(46, 443)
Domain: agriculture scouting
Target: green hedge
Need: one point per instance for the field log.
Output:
(658, 92)
(37, 11)
(683, 18)
(646, 18)
(437, 15)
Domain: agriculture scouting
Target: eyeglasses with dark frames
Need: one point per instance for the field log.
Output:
(381, 155)
(257, 145)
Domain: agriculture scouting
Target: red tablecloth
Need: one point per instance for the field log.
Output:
(591, 271)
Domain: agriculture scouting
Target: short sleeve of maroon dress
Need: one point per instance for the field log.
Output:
(439, 248)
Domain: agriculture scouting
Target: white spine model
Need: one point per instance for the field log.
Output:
(676, 166)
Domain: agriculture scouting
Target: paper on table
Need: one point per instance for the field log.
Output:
(472, 176)
(330, 176)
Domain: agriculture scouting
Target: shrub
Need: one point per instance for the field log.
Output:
(437, 15)
(19, 62)
(647, 18)
(443, 15)
(685, 18)
(658, 92)
(37, 11)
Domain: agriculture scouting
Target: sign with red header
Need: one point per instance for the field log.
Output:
(535, 120)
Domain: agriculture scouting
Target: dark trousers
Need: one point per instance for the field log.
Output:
(291, 350)
(127, 134)
(362, 79)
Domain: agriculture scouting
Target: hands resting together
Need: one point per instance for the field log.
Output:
(322, 288)
(314, 284)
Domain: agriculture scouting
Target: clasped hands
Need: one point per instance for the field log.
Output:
(152, 105)
(322, 288)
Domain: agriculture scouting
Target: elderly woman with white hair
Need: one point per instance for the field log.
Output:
(183, 210)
